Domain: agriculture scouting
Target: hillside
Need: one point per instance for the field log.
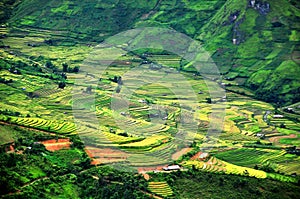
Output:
(256, 46)
(117, 120)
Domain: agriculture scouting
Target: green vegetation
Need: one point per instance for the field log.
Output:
(197, 184)
(7, 134)
(47, 95)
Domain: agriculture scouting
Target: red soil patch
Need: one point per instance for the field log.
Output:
(180, 153)
(197, 155)
(55, 145)
(55, 141)
(105, 155)
(276, 139)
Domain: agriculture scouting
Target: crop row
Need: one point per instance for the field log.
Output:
(38, 123)
(152, 141)
(47, 92)
(250, 157)
(121, 139)
(160, 188)
(164, 151)
(215, 165)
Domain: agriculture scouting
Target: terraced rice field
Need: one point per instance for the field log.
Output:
(148, 142)
(42, 124)
(215, 165)
(164, 114)
(286, 122)
(115, 138)
(251, 157)
(160, 188)
(279, 160)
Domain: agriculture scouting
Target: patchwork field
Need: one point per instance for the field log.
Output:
(141, 110)
(218, 166)
(149, 99)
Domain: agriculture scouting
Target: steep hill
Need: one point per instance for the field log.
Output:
(258, 46)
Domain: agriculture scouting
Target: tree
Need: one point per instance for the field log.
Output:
(62, 85)
(76, 69)
(115, 79)
(65, 67)
(49, 64)
(120, 82)
(118, 89)
(208, 100)
(63, 75)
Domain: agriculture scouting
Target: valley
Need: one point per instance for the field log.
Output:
(94, 115)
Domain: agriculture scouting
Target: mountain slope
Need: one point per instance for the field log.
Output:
(93, 19)
(258, 46)
(255, 45)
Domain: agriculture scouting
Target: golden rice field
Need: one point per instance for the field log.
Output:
(160, 188)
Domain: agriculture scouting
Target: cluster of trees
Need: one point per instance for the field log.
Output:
(67, 68)
(117, 79)
(112, 183)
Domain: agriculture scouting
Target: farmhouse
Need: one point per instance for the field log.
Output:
(171, 168)
(203, 156)
(123, 113)
(277, 116)
(142, 101)
(260, 135)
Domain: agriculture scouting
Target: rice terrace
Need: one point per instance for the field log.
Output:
(149, 99)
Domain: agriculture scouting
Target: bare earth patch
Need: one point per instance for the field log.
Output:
(276, 139)
(55, 145)
(105, 155)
